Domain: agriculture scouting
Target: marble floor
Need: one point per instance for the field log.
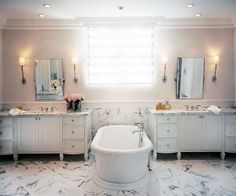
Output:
(195, 174)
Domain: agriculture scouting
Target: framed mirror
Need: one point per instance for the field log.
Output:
(48, 79)
(190, 78)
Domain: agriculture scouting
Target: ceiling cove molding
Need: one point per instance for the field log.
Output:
(2, 23)
(117, 21)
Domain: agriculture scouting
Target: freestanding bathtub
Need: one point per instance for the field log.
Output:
(118, 157)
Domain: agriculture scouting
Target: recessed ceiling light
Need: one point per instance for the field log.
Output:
(46, 5)
(198, 15)
(190, 5)
(41, 15)
(120, 7)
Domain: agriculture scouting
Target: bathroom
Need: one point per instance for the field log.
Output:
(63, 33)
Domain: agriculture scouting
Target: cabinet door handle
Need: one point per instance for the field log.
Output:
(0, 147)
(167, 119)
(72, 132)
(1, 133)
(72, 120)
(72, 146)
(39, 118)
(0, 121)
(36, 118)
(168, 145)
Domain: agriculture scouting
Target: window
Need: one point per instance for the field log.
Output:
(119, 56)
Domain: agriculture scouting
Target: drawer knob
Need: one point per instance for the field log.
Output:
(168, 119)
(72, 132)
(168, 131)
(72, 146)
(72, 120)
(168, 145)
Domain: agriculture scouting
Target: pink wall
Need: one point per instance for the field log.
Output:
(65, 43)
(1, 68)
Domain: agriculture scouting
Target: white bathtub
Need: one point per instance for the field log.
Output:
(118, 157)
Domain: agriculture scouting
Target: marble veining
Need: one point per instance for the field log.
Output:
(197, 174)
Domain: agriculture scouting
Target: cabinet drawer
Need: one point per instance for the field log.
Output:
(230, 144)
(73, 146)
(230, 129)
(168, 119)
(75, 121)
(230, 118)
(5, 122)
(167, 130)
(71, 131)
(167, 145)
(6, 147)
(6, 132)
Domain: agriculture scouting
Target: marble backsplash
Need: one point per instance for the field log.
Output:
(120, 112)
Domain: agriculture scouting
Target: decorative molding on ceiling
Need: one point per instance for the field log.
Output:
(161, 22)
(2, 22)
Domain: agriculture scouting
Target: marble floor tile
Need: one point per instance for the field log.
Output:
(45, 175)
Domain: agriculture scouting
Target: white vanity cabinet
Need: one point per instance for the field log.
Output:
(38, 134)
(6, 136)
(201, 133)
(75, 135)
(230, 133)
(164, 131)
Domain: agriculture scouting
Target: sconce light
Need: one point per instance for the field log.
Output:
(74, 61)
(216, 62)
(164, 60)
(22, 63)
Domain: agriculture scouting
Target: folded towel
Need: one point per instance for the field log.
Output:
(214, 109)
(16, 111)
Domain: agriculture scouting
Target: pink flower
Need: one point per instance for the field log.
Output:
(74, 97)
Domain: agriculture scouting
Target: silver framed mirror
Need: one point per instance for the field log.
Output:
(49, 82)
(190, 77)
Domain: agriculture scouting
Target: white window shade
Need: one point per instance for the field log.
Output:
(119, 56)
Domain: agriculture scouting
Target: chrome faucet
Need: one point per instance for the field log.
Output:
(140, 131)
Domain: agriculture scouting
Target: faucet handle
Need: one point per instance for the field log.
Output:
(53, 108)
(187, 107)
(197, 106)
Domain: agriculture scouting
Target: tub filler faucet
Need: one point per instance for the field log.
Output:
(140, 131)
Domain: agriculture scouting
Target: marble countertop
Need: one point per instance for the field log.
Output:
(183, 111)
(56, 113)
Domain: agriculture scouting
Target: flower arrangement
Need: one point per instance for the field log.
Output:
(74, 101)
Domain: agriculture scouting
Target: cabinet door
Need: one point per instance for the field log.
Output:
(212, 136)
(27, 137)
(190, 134)
(49, 134)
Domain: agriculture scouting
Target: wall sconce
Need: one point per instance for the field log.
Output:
(216, 62)
(74, 61)
(164, 60)
(22, 64)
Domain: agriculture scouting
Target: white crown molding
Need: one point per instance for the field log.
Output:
(117, 21)
(2, 23)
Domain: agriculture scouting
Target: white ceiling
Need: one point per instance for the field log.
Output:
(70, 9)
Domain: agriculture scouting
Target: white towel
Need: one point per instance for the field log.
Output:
(16, 111)
(214, 109)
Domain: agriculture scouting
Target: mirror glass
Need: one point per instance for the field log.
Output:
(49, 79)
(190, 78)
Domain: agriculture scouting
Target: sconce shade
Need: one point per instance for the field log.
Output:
(22, 60)
(164, 59)
(74, 59)
(216, 59)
